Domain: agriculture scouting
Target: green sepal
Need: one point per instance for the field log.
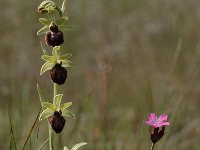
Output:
(61, 20)
(47, 58)
(65, 28)
(77, 146)
(68, 113)
(45, 21)
(66, 63)
(45, 114)
(49, 105)
(43, 30)
(46, 66)
(65, 106)
(58, 99)
(65, 56)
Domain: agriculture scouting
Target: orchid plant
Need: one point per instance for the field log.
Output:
(53, 26)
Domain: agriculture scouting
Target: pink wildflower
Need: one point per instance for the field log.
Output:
(157, 122)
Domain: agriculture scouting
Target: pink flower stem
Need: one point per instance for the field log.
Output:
(152, 146)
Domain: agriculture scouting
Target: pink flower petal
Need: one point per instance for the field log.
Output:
(158, 125)
(163, 117)
(152, 116)
(149, 123)
(157, 122)
(161, 124)
(165, 124)
(151, 119)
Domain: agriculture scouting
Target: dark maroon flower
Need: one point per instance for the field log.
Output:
(54, 37)
(57, 122)
(58, 74)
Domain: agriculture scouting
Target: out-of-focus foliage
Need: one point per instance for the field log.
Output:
(131, 57)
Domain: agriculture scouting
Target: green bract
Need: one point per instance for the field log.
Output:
(50, 108)
(55, 58)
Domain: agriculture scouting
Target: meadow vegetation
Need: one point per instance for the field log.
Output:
(131, 57)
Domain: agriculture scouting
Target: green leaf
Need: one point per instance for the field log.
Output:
(45, 21)
(77, 146)
(65, 148)
(61, 20)
(66, 63)
(65, 28)
(46, 66)
(65, 56)
(56, 51)
(49, 105)
(58, 99)
(68, 113)
(63, 6)
(45, 114)
(65, 106)
(40, 94)
(47, 58)
(43, 30)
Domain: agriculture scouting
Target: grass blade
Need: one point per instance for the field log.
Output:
(10, 145)
(37, 136)
(31, 130)
(43, 144)
(11, 129)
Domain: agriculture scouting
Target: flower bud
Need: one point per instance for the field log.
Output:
(57, 122)
(58, 74)
(47, 6)
(157, 134)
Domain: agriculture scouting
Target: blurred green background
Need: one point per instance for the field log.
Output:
(132, 57)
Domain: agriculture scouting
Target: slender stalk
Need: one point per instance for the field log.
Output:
(51, 138)
(51, 134)
(55, 91)
(152, 146)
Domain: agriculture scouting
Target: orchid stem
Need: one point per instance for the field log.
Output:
(152, 146)
(51, 133)
(51, 138)
(55, 91)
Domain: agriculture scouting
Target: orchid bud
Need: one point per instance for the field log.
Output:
(47, 6)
